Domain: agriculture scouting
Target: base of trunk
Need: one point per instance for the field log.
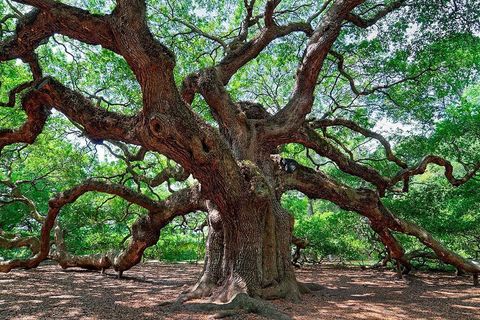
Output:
(288, 289)
(250, 255)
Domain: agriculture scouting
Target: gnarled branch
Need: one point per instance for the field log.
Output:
(352, 125)
(365, 23)
(180, 202)
(291, 117)
(367, 203)
(53, 17)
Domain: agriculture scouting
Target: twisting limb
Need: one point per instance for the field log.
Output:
(98, 123)
(367, 203)
(292, 116)
(406, 174)
(52, 17)
(147, 228)
(308, 137)
(251, 49)
(16, 195)
(8, 241)
(177, 173)
(13, 93)
(379, 88)
(243, 32)
(36, 106)
(311, 139)
(225, 111)
(365, 23)
(145, 233)
(245, 53)
(352, 125)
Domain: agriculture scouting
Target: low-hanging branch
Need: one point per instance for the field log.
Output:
(17, 241)
(367, 203)
(145, 233)
(160, 213)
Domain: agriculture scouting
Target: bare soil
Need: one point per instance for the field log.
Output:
(347, 293)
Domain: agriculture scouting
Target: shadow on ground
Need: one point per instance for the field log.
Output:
(51, 293)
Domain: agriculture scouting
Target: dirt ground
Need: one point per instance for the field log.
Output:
(51, 293)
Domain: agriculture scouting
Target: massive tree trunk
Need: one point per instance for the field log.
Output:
(248, 251)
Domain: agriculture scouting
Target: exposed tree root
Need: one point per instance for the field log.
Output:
(288, 289)
(241, 303)
(203, 289)
(309, 287)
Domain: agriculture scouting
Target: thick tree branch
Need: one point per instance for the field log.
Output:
(291, 117)
(13, 93)
(177, 173)
(210, 82)
(53, 17)
(311, 139)
(41, 4)
(98, 123)
(245, 53)
(17, 241)
(308, 137)
(367, 203)
(352, 125)
(151, 61)
(145, 233)
(228, 115)
(35, 105)
(161, 210)
(269, 10)
(365, 23)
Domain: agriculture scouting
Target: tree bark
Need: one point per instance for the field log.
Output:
(248, 254)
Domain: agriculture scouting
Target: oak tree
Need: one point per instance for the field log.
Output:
(223, 88)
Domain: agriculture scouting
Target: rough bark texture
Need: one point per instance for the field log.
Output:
(248, 246)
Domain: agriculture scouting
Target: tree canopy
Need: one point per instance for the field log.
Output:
(220, 123)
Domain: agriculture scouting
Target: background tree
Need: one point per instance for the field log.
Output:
(228, 91)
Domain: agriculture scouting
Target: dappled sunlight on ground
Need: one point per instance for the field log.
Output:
(49, 292)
